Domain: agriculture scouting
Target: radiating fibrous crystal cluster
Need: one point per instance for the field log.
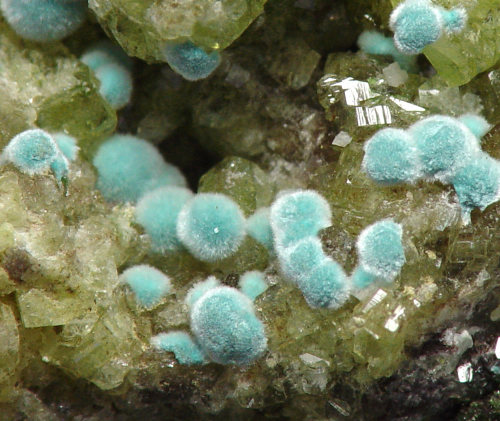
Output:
(289, 107)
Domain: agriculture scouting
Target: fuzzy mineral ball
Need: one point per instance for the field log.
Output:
(181, 344)
(391, 157)
(226, 328)
(44, 20)
(157, 212)
(211, 226)
(252, 284)
(298, 260)
(32, 151)
(325, 286)
(443, 145)
(478, 183)
(190, 61)
(129, 167)
(380, 249)
(259, 228)
(105, 52)
(148, 284)
(116, 84)
(199, 289)
(67, 144)
(297, 215)
(416, 24)
(476, 124)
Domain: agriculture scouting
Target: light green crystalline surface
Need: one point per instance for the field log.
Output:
(143, 26)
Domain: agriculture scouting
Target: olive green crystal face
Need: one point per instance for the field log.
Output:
(142, 27)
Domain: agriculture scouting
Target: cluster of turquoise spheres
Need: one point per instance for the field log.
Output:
(225, 328)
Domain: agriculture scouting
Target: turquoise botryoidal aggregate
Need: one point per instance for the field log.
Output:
(211, 226)
(116, 84)
(253, 284)
(259, 228)
(129, 167)
(301, 258)
(105, 52)
(44, 20)
(443, 144)
(181, 344)
(149, 284)
(477, 184)
(35, 152)
(391, 157)
(67, 144)
(226, 328)
(190, 61)
(157, 212)
(297, 215)
(380, 250)
(418, 23)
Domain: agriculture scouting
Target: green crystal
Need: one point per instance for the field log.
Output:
(143, 27)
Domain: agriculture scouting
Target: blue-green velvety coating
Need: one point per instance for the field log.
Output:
(44, 20)
(226, 328)
(373, 42)
(60, 167)
(129, 167)
(190, 61)
(157, 213)
(259, 228)
(361, 278)
(149, 285)
(453, 20)
(325, 286)
(391, 157)
(105, 52)
(416, 24)
(478, 183)
(32, 151)
(252, 284)
(182, 345)
(211, 226)
(116, 84)
(443, 145)
(199, 289)
(67, 145)
(298, 214)
(380, 249)
(299, 259)
(476, 124)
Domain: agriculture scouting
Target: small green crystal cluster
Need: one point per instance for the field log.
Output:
(289, 107)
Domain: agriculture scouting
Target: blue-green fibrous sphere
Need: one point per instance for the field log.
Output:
(105, 52)
(67, 144)
(391, 157)
(149, 285)
(477, 183)
(44, 20)
(186, 350)
(325, 286)
(157, 212)
(115, 84)
(296, 215)
(128, 167)
(226, 328)
(252, 284)
(443, 144)
(190, 61)
(35, 152)
(211, 226)
(416, 24)
(380, 249)
(259, 228)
